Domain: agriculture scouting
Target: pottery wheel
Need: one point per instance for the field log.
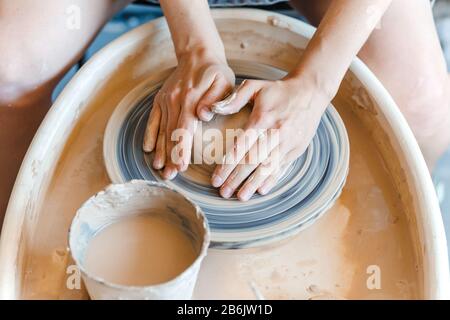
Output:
(307, 188)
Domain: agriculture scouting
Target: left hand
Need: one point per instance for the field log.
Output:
(283, 121)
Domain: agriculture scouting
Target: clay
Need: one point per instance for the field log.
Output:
(203, 161)
(220, 107)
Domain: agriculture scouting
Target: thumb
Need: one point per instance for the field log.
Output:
(245, 93)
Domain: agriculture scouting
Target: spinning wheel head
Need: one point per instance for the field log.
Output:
(307, 188)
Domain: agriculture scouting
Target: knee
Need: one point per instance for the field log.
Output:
(12, 82)
(427, 105)
(24, 78)
(427, 110)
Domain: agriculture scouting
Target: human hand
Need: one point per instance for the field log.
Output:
(283, 121)
(199, 80)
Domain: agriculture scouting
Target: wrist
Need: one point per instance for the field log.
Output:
(320, 82)
(202, 50)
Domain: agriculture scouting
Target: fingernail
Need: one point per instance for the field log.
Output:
(183, 167)
(263, 190)
(146, 149)
(221, 106)
(169, 173)
(206, 114)
(216, 181)
(157, 163)
(244, 195)
(148, 145)
(226, 192)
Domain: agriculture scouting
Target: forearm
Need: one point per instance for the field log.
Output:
(343, 31)
(192, 27)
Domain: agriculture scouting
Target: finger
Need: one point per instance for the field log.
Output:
(160, 153)
(272, 180)
(245, 140)
(259, 152)
(294, 153)
(264, 170)
(170, 171)
(173, 110)
(246, 92)
(218, 90)
(242, 145)
(151, 131)
(187, 124)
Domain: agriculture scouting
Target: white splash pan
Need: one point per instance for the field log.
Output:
(248, 35)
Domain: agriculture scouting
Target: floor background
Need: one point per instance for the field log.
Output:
(137, 14)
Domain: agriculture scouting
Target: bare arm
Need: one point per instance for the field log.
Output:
(294, 105)
(192, 27)
(201, 78)
(342, 32)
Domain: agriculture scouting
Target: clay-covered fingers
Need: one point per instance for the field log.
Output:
(233, 103)
(219, 89)
(198, 80)
(272, 179)
(206, 90)
(239, 174)
(255, 126)
(233, 157)
(159, 159)
(258, 153)
(151, 131)
(269, 167)
(173, 110)
(187, 124)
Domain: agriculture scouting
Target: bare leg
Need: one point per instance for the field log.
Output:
(406, 56)
(39, 42)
